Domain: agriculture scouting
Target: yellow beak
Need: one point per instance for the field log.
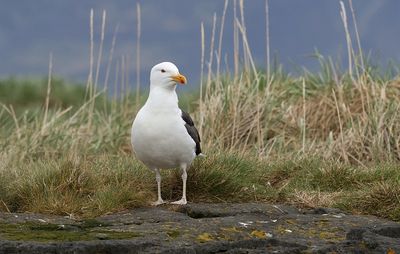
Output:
(179, 79)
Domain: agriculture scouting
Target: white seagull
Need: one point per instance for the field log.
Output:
(163, 135)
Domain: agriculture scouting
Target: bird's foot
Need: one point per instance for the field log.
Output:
(180, 202)
(158, 202)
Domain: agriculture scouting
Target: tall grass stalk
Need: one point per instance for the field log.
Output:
(46, 107)
(343, 15)
(138, 35)
(359, 52)
(109, 63)
(89, 83)
(267, 42)
(110, 57)
(211, 57)
(221, 33)
(89, 86)
(100, 53)
(201, 116)
(235, 41)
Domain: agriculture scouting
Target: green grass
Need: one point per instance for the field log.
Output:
(28, 93)
(101, 184)
(91, 186)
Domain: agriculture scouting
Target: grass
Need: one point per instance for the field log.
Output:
(106, 183)
(28, 93)
(329, 138)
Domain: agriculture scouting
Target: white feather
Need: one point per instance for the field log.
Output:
(159, 137)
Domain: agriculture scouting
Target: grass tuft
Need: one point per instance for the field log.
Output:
(380, 199)
(88, 187)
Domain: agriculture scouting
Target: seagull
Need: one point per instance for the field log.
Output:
(164, 136)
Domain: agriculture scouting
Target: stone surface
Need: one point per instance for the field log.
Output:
(202, 228)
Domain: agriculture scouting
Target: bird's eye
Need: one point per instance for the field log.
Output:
(162, 70)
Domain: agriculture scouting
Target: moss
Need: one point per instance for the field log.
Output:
(231, 230)
(324, 235)
(54, 233)
(259, 234)
(205, 237)
(92, 223)
(328, 235)
(280, 230)
(229, 233)
(173, 233)
(316, 231)
(291, 221)
(41, 227)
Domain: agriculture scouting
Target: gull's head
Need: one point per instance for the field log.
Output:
(167, 75)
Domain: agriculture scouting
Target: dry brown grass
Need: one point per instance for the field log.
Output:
(315, 198)
(356, 124)
(352, 116)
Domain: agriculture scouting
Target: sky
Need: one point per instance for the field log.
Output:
(170, 31)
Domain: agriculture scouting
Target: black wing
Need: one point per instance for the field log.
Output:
(192, 130)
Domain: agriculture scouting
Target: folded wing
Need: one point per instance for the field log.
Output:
(191, 129)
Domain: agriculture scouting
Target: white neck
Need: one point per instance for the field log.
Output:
(162, 97)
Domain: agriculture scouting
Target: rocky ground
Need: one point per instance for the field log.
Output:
(202, 228)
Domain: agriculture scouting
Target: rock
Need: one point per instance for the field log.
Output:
(202, 228)
(355, 234)
(102, 236)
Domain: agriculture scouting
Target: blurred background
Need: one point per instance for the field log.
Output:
(170, 31)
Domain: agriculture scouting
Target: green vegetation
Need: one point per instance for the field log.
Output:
(80, 164)
(330, 138)
(29, 94)
(29, 231)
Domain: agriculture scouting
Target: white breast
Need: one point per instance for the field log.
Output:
(160, 139)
